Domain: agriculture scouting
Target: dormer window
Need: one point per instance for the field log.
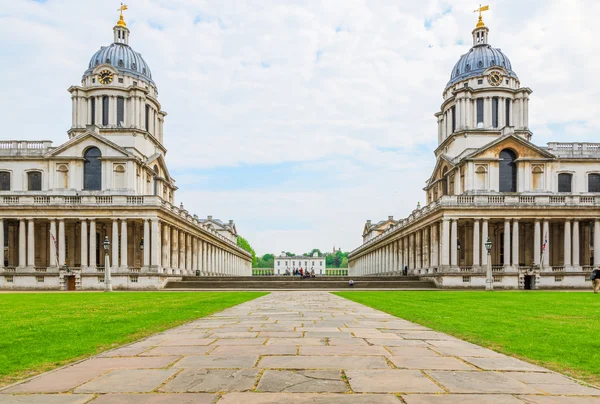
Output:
(144, 70)
(480, 63)
(121, 64)
(107, 60)
(468, 67)
(133, 66)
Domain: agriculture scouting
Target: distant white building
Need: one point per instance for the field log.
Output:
(283, 263)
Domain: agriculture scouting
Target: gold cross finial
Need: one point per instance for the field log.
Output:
(479, 10)
(121, 21)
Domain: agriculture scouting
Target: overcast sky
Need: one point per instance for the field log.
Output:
(300, 120)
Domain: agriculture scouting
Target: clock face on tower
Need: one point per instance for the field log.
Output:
(495, 78)
(105, 77)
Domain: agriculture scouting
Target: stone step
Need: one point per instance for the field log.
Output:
(300, 284)
(297, 278)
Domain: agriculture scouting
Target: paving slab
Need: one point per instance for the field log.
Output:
(46, 399)
(127, 381)
(301, 347)
(460, 399)
(304, 398)
(391, 381)
(302, 381)
(212, 380)
(164, 398)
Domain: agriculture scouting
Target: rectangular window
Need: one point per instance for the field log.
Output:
(558, 279)
(497, 279)
(507, 111)
(105, 110)
(93, 108)
(34, 180)
(466, 279)
(594, 183)
(39, 279)
(278, 263)
(564, 182)
(4, 181)
(101, 279)
(495, 112)
(9, 279)
(479, 111)
(453, 109)
(147, 117)
(120, 111)
(480, 81)
(133, 279)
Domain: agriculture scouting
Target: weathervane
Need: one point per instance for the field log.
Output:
(121, 20)
(479, 10)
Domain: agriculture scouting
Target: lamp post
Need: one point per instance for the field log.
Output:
(107, 283)
(489, 279)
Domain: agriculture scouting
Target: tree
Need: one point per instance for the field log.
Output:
(314, 250)
(344, 263)
(243, 243)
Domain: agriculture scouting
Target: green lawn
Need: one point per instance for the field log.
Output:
(557, 330)
(41, 331)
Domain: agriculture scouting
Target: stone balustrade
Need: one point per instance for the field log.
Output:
(24, 147)
(575, 149)
(483, 200)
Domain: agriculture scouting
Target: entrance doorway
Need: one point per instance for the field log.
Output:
(70, 281)
(528, 282)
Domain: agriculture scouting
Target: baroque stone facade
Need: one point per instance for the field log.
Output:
(539, 206)
(109, 180)
(284, 263)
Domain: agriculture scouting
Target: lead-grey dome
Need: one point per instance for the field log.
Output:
(477, 60)
(123, 58)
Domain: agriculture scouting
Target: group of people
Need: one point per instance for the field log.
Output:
(304, 273)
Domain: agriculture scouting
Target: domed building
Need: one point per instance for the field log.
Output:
(98, 211)
(501, 211)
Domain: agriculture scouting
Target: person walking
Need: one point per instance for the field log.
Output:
(405, 270)
(595, 277)
(301, 273)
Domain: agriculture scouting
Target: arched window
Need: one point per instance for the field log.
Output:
(508, 171)
(34, 181)
(564, 182)
(444, 181)
(92, 170)
(4, 181)
(155, 180)
(593, 183)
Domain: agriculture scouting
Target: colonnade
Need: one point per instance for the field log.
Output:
(139, 245)
(454, 244)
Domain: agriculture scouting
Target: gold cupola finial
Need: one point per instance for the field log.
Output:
(479, 10)
(121, 21)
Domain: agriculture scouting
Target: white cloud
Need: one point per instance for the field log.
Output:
(325, 82)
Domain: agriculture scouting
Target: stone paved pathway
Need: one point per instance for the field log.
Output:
(301, 347)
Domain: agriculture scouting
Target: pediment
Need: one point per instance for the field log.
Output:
(159, 160)
(443, 165)
(523, 149)
(75, 147)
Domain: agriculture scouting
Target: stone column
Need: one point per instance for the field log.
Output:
(454, 244)
(419, 252)
(515, 244)
(537, 243)
(597, 243)
(201, 266)
(476, 244)
(182, 257)
(425, 245)
(22, 244)
(84, 245)
(484, 237)
(175, 250)
(445, 244)
(546, 240)
(146, 264)
(576, 264)
(114, 259)
(124, 245)
(435, 251)
(567, 245)
(411, 252)
(155, 244)
(53, 257)
(61, 242)
(394, 268)
(166, 248)
(30, 244)
(93, 259)
(2, 245)
(188, 254)
(194, 255)
(506, 262)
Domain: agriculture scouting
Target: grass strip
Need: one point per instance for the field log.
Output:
(43, 331)
(556, 330)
